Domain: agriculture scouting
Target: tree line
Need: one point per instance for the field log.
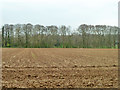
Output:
(39, 36)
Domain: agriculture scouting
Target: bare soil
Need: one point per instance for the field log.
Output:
(59, 68)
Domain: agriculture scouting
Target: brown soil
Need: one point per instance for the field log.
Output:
(59, 68)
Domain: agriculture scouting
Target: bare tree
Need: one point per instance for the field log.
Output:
(39, 36)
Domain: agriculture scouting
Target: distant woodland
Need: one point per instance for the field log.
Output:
(39, 36)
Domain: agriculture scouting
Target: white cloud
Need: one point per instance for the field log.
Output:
(58, 12)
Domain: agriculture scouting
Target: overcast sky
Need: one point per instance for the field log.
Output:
(59, 12)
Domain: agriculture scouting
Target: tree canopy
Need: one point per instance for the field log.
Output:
(39, 36)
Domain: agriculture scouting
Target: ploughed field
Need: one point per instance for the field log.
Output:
(59, 68)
